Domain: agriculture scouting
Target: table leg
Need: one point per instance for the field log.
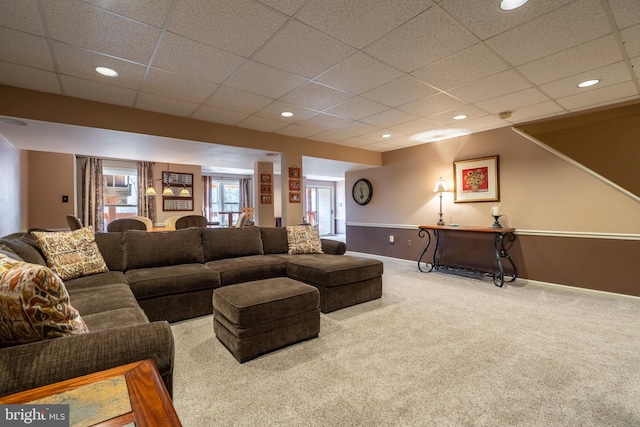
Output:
(434, 263)
(501, 252)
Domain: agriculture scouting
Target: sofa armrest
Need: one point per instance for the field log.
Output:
(333, 247)
(36, 364)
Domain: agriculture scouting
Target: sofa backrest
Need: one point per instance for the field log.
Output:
(111, 246)
(274, 240)
(145, 249)
(221, 243)
(25, 246)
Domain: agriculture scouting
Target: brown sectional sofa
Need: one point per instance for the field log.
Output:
(161, 277)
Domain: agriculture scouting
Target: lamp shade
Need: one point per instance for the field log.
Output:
(184, 192)
(167, 191)
(150, 191)
(441, 186)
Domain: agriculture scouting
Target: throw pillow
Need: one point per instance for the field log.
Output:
(71, 254)
(303, 239)
(34, 304)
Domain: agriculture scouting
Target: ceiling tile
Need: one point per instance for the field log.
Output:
(481, 123)
(161, 104)
(360, 22)
(263, 80)
(447, 118)
(323, 121)
(289, 50)
(354, 142)
(152, 12)
(513, 101)
(400, 91)
(195, 59)
(631, 40)
(237, 100)
(358, 74)
(177, 86)
(315, 96)
(99, 92)
(260, 123)
(635, 62)
(416, 126)
(532, 112)
(22, 15)
(218, 115)
(575, 23)
(463, 67)
(25, 49)
(298, 131)
(331, 136)
(83, 25)
(28, 78)
(391, 117)
(356, 129)
(625, 12)
(586, 56)
(490, 87)
(78, 62)
(289, 7)
(485, 18)
(225, 23)
(604, 96)
(609, 75)
(356, 108)
(432, 105)
(427, 38)
(379, 146)
(273, 110)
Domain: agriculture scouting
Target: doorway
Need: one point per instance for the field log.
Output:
(320, 201)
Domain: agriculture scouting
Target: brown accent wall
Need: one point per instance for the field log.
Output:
(51, 176)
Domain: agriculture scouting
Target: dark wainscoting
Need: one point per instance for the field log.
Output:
(593, 263)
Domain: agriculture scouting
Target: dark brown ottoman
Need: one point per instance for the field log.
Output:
(254, 318)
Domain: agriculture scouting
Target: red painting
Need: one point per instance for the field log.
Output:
(475, 180)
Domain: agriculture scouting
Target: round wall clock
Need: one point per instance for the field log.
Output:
(362, 191)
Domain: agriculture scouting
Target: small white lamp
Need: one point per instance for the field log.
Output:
(440, 187)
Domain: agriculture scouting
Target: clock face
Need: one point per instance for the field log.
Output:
(362, 191)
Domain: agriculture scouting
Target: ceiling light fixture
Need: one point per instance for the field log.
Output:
(286, 114)
(460, 117)
(511, 4)
(386, 135)
(588, 83)
(106, 71)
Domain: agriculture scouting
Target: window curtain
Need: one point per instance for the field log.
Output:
(92, 192)
(146, 205)
(245, 202)
(206, 197)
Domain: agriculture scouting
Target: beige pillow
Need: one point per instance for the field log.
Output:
(34, 304)
(71, 254)
(303, 239)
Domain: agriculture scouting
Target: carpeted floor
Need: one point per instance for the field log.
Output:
(435, 350)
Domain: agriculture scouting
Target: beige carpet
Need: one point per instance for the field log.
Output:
(435, 350)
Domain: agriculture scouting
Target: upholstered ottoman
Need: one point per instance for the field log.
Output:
(254, 318)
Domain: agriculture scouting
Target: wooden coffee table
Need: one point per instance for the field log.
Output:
(148, 402)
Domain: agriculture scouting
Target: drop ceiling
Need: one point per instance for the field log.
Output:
(349, 70)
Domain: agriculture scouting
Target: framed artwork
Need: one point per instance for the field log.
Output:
(476, 180)
(294, 184)
(265, 199)
(294, 173)
(177, 181)
(265, 189)
(265, 178)
(294, 197)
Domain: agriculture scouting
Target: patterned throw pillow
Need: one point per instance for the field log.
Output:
(34, 304)
(303, 239)
(71, 254)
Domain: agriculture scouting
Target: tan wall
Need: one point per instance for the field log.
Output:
(196, 170)
(51, 175)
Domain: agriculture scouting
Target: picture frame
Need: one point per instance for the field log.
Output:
(294, 197)
(265, 199)
(265, 178)
(294, 184)
(476, 180)
(265, 188)
(294, 172)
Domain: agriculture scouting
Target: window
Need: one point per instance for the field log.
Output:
(120, 191)
(225, 200)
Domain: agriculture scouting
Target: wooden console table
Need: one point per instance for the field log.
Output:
(501, 234)
(142, 398)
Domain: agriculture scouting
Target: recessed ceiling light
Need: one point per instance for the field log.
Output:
(589, 83)
(107, 71)
(511, 4)
(460, 117)
(286, 114)
(386, 135)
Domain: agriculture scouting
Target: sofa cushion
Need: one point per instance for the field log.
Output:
(111, 247)
(82, 284)
(71, 254)
(145, 249)
(248, 268)
(220, 243)
(303, 239)
(171, 280)
(25, 246)
(103, 298)
(34, 304)
(274, 240)
(332, 270)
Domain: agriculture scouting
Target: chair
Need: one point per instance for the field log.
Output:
(74, 222)
(191, 221)
(122, 224)
(146, 221)
(240, 221)
(170, 223)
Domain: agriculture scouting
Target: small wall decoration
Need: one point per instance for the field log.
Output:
(265, 178)
(294, 173)
(294, 197)
(265, 199)
(476, 180)
(265, 189)
(177, 181)
(294, 184)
